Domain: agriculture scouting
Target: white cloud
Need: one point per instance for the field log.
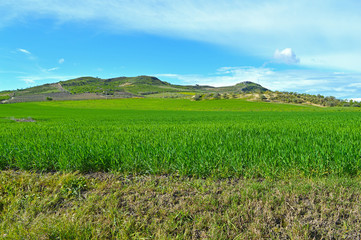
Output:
(24, 51)
(341, 85)
(61, 60)
(225, 76)
(258, 27)
(286, 56)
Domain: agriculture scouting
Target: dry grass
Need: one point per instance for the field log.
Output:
(112, 206)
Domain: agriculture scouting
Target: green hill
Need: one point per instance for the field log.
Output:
(243, 87)
(140, 85)
(120, 87)
(147, 86)
(133, 85)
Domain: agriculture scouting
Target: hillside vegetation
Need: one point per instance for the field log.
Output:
(135, 85)
(296, 98)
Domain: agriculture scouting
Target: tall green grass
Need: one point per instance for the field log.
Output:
(157, 136)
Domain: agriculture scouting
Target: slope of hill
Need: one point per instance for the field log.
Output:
(5, 95)
(135, 85)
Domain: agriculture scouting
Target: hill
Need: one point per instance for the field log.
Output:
(147, 86)
(120, 87)
(246, 87)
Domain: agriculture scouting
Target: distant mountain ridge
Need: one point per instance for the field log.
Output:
(120, 87)
(83, 88)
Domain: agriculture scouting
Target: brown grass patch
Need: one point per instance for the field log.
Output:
(114, 206)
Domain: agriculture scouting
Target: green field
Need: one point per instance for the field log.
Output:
(179, 169)
(224, 138)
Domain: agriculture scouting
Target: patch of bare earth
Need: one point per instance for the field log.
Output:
(59, 87)
(125, 84)
(252, 97)
(23, 119)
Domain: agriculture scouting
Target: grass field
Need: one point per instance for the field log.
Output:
(179, 169)
(222, 138)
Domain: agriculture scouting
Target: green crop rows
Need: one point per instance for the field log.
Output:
(158, 136)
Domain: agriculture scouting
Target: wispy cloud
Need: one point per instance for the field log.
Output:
(226, 76)
(258, 27)
(24, 51)
(342, 85)
(61, 60)
(27, 53)
(31, 80)
(52, 69)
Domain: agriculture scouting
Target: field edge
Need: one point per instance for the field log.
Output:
(112, 205)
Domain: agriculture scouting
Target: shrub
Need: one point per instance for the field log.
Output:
(217, 96)
(330, 104)
(197, 97)
(225, 96)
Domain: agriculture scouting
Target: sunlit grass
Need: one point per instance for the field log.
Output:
(156, 136)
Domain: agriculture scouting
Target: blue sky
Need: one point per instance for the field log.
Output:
(303, 46)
